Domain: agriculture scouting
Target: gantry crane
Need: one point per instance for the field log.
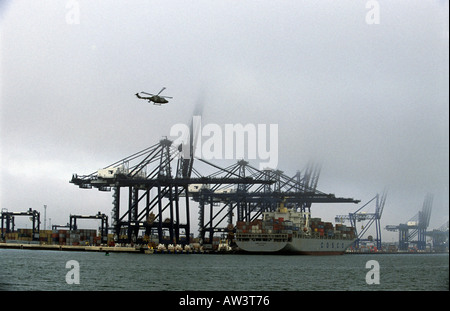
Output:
(415, 226)
(439, 238)
(361, 216)
(249, 201)
(8, 219)
(99, 215)
(144, 173)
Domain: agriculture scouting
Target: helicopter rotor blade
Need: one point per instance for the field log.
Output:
(165, 96)
(147, 93)
(161, 91)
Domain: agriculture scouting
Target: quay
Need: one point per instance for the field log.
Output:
(105, 249)
(79, 248)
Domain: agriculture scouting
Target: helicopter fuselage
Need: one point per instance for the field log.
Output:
(158, 100)
(155, 98)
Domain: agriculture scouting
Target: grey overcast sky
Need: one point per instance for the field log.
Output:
(367, 101)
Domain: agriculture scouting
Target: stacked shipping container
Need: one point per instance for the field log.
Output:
(318, 228)
(270, 226)
(56, 237)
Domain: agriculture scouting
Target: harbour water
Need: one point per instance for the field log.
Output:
(40, 270)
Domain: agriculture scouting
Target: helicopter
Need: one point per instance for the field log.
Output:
(156, 99)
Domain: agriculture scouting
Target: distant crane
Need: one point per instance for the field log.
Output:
(416, 226)
(99, 215)
(439, 237)
(7, 218)
(359, 216)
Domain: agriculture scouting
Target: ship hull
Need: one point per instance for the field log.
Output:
(300, 246)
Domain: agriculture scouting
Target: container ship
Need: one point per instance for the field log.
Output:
(291, 232)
